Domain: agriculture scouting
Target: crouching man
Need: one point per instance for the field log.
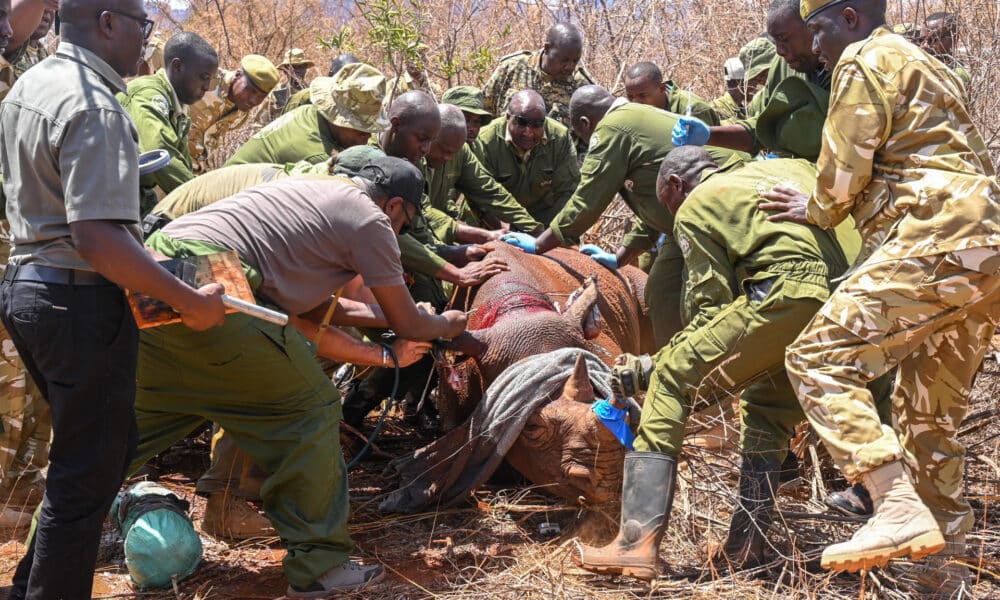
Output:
(751, 286)
(300, 240)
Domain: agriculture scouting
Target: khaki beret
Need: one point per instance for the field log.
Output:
(810, 8)
(261, 71)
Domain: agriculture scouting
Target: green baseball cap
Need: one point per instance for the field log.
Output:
(469, 99)
(350, 161)
(757, 56)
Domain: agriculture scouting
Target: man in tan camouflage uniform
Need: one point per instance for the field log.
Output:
(553, 72)
(295, 66)
(226, 106)
(34, 50)
(902, 156)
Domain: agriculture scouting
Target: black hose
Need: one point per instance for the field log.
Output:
(385, 411)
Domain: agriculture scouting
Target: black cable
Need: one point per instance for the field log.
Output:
(385, 411)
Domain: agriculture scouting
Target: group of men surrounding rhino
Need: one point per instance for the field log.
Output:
(820, 242)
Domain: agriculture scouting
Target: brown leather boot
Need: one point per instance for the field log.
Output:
(647, 494)
(902, 525)
(231, 518)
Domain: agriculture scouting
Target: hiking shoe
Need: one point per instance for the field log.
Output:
(231, 518)
(901, 526)
(853, 502)
(348, 576)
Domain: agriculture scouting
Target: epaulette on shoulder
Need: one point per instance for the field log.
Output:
(518, 54)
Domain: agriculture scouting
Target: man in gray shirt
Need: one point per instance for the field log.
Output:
(70, 156)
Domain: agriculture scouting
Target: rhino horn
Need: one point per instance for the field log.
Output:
(583, 312)
(578, 387)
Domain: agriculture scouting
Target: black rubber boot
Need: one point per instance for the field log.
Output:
(853, 502)
(647, 495)
(746, 543)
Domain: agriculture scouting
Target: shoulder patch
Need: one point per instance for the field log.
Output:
(595, 139)
(685, 244)
(161, 104)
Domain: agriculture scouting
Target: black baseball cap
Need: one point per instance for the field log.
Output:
(397, 177)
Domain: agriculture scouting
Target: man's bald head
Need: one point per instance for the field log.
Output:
(680, 173)
(527, 101)
(101, 27)
(587, 107)
(452, 120)
(562, 51)
(564, 35)
(644, 71)
(414, 124)
(450, 139)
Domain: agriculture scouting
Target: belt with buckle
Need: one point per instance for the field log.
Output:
(54, 275)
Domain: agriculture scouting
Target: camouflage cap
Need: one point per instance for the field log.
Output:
(756, 56)
(810, 8)
(792, 123)
(261, 72)
(352, 98)
(295, 58)
(469, 99)
(350, 161)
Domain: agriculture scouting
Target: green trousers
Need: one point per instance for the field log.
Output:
(663, 292)
(743, 344)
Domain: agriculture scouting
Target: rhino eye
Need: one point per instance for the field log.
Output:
(538, 432)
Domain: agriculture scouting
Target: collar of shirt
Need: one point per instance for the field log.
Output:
(94, 63)
(524, 155)
(536, 60)
(177, 107)
(618, 103)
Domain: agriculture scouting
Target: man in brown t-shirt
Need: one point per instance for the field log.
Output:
(300, 239)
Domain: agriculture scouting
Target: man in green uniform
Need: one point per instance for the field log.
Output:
(532, 156)
(345, 111)
(553, 72)
(793, 44)
(454, 170)
(744, 77)
(939, 35)
(751, 285)
(279, 406)
(900, 154)
(627, 144)
(473, 104)
(226, 106)
(644, 84)
(158, 107)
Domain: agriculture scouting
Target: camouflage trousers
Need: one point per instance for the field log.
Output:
(931, 318)
(24, 414)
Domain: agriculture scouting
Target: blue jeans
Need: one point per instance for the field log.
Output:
(80, 344)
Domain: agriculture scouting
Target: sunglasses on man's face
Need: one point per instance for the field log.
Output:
(525, 122)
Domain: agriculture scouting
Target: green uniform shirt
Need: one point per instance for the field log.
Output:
(163, 124)
(544, 180)
(727, 108)
(214, 186)
(464, 173)
(302, 134)
(624, 157)
(778, 72)
(728, 242)
(299, 98)
(678, 102)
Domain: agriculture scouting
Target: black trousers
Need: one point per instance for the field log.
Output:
(80, 344)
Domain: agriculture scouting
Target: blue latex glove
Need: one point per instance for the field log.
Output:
(616, 420)
(690, 131)
(520, 240)
(595, 252)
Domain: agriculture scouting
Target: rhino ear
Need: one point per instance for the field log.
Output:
(578, 387)
(582, 311)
